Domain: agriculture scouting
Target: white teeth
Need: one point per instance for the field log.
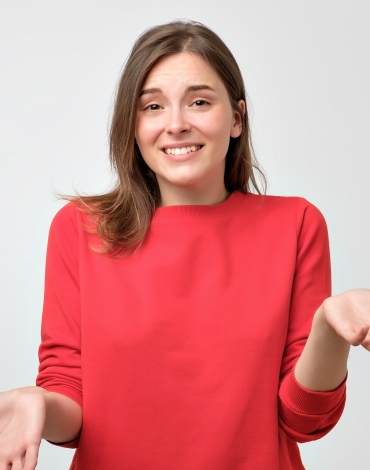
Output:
(182, 150)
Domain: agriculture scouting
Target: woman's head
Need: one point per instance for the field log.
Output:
(152, 47)
(184, 123)
(123, 215)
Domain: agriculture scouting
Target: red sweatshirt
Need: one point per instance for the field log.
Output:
(182, 355)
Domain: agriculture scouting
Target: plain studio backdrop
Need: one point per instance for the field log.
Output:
(306, 70)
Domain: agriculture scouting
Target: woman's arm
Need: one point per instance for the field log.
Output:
(63, 418)
(341, 321)
(60, 348)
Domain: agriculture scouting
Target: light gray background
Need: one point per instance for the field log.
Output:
(306, 69)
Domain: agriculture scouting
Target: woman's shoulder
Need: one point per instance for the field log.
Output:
(66, 214)
(282, 203)
(70, 218)
(286, 208)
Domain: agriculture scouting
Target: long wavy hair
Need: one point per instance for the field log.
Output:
(123, 215)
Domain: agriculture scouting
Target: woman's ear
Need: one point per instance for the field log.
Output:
(237, 127)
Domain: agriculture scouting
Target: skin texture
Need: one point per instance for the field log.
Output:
(174, 115)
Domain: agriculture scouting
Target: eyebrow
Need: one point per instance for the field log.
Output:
(189, 88)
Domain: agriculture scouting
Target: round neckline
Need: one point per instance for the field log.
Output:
(201, 210)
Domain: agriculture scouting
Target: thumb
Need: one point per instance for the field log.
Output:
(359, 335)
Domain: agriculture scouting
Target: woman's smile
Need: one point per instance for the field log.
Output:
(182, 152)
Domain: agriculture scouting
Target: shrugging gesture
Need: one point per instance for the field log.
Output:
(204, 344)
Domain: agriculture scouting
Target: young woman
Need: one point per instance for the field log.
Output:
(187, 321)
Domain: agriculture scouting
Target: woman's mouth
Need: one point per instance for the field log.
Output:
(182, 150)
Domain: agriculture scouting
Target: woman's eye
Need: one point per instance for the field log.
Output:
(200, 102)
(152, 107)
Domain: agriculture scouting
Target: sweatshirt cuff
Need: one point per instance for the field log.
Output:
(303, 401)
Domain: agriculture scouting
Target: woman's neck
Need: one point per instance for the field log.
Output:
(187, 196)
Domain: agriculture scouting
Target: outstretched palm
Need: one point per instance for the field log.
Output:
(22, 417)
(349, 315)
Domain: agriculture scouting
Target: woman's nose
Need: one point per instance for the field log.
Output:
(177, 122)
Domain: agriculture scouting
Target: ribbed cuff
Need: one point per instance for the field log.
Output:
(303, 401)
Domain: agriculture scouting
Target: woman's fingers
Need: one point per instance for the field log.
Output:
(5, 466)
(26, 462)
(359, 335)
(366, 342)
(354, 335)
(30, 460)
(17, 465)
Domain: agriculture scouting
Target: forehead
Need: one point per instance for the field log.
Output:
(183, 68)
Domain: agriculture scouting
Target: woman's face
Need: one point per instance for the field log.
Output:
(184, 124)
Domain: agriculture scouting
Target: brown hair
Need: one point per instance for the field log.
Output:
(122, 216)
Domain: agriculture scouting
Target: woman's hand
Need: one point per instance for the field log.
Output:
(341, 321)
(349, 315)
(22, 419)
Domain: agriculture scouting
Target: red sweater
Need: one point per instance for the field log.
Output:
(182, 355)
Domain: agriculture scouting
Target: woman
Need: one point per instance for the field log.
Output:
(190, 319)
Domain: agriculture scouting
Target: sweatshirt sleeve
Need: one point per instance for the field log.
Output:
(306, 415)
(60, 348)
